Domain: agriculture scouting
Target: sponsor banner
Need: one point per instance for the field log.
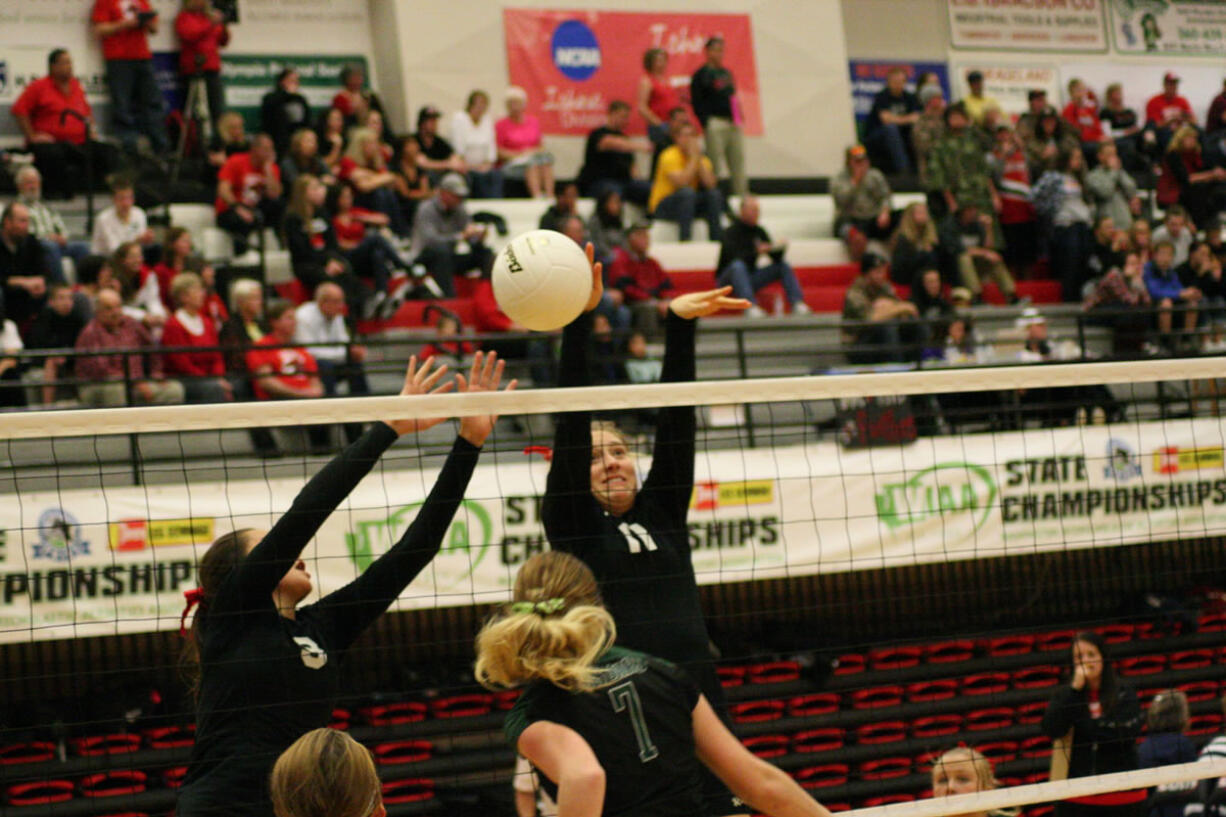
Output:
(80, 563)
(1009, 84)
(1028, 25)
(248, 77)
(868, 78)
(574, 63)
(1169, 28)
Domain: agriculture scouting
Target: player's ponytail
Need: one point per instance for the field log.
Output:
(325, 773)
(215, 565)
(554, 630)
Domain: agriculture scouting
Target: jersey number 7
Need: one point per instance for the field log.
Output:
(625, 697)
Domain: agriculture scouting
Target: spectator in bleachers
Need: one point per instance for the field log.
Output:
(1120, 300)
(201, 372)
(228, 140)
(23, 266)
(963, 770)
(369, 253)
(521, 146)
(472, 135)
(411, 183)
(976, 102)
(12, 392)
(1215, 119)
(1166, 744)
(332, 141)
(353, 100)
(289, 372)
(436, 156)
(1185, 179)
(928, 295)
(1081, 113)
(1140, 239)
(375, 122)
(685, 186)
(1167, 112)
(284, 110)
(676, 118)
(323, 321)
(1169, 294)
(608, 158)
(928, 128)
(878, 326)
(58, 125)
(1104, 718)
(176, 254)
(966, 246)
(94, 274)
(202, 33)
(237, 335)
(1210, 792)
(913, 247)
(303, 157)
(1052, 139)
(1018, 218)
(456, 353)
(657, 98)
(57, 326)
(1210, 282)
(441, 222)
(958, 169)
(311, 240)
(1107, 247)
(641, 283)
(888, 129)
(640, 366)
(713, 98)
(365, 167)
(573, 228)
(46, 225)
(249, 192)
(605, 226)
(1177, 229)
(1124, 128)
(1112, 191)
(122, 221)
(862, 204)
(1060, 198)
(139, 286)
(112, 329)
(1028, 122)
(1198, 273)
(565, 206)
(123, 27)
(745, 241)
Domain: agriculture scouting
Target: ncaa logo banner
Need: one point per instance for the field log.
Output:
(574, 63)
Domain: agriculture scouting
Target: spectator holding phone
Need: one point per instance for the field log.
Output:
(124, 27)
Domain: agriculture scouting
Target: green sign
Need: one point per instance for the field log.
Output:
(941, 489)
(461, 538)
(248, 77)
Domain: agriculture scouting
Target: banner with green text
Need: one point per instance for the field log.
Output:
(247, 77)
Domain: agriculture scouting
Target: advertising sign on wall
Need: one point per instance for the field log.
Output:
(247, 77)
(1169, 28)
(1009, 84)
(1024, 25)
(574, 63)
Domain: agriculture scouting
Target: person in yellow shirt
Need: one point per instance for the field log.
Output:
(685, 186)
(975, 101)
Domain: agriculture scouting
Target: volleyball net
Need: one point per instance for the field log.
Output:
(891, 563)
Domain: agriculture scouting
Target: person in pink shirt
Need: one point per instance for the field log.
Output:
(1168, 110)
(656, 96)
(1082, 113)
(521, 153)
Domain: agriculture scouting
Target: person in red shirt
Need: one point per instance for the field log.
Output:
(369, 252)
(353, 99)
(1168, 110)
(203, 32)
(1082, 113)
(123, 27)
(643, 284)
(58, 124)
(249, 192)
(288, 373)
(202, 372)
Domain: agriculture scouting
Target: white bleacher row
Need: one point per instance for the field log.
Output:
(805, 221)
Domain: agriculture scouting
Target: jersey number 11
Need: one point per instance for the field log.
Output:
(625, 697)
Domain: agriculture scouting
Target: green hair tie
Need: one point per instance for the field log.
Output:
(543, 608)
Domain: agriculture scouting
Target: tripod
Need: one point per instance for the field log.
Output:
(195, 110)
(88, 148)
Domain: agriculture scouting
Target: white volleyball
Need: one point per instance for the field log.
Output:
(542, 280)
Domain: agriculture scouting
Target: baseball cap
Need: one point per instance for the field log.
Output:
(1170, 76)
(641, 224)
(975, 76)
(959, 295)
(1035, 93)
(857, 152)
(1029, 317)
(871, 261)
(427, 112)
(930, 92)
(454, 183)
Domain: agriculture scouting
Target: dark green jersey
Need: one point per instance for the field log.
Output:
(639, 723)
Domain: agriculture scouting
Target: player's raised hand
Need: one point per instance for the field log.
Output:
(597, 278)
(485, 375)
(421, 380)
(701, 304)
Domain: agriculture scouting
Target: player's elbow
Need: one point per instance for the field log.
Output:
(767, 789)
(585, 779)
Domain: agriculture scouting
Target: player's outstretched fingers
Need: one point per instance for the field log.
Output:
(597, 278)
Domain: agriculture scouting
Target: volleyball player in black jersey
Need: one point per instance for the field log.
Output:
(614, 732)
(635, 539)
(268, 669)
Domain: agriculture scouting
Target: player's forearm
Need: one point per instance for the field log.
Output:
(778, 795)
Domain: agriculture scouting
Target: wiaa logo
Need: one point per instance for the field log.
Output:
(59, 536)
(576, 53)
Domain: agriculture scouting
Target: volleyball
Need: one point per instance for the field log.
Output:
(542, 280)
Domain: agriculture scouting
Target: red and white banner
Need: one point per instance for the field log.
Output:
(574, 63)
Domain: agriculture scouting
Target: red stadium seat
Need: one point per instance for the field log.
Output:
(884, 768)
(172, 778)
(1117, 633)
(985, 683)
(822, 777)
(1191, 659)
(1038, 746)
(850, 664)
(1207, 724)
(1003, 645)
(756, 711)
(1036, 677)
(876, 697)
(1147, 630)
(396, 714)
(833, 807)
(116, 744)
(1039, 811)
(889, 799)
(948, 652)
(407, 791)
(766, 746)
(1000, 751)
(1037, 777)
(883, 732)
(923, 763)
(1142, 665)
(772, 672)
(113, 783)
(979, 720)
(506, 699)
(402, 751)
(468, 705)
(815, 703)
(1212, 622)
(36, 751)
(40, 792)
(171, 737)
(817, 740)
(731, 676)
(1198, 691)
(886, 658)
(1058, 640)
(341, 718)
(1031, 712)
(936, 726)
(293, 291)
(940, 690)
